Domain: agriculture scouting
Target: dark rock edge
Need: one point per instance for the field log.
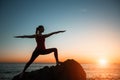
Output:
(68, 70)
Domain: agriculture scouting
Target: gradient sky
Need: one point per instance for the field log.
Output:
(92, 29)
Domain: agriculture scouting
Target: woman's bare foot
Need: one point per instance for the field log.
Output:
(58, 63)
(21, 75)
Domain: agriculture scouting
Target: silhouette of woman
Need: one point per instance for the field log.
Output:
(40, 49)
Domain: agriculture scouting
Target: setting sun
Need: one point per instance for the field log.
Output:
(102, 61)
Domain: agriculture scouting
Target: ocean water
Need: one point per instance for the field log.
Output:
(93, 71)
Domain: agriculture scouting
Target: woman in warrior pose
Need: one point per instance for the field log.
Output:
(40, 49)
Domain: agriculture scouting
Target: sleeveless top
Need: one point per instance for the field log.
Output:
(40, 40)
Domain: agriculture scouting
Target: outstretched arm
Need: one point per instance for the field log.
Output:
(25, 36)
(47, 35)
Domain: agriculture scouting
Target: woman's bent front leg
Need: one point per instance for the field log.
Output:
(48, 51)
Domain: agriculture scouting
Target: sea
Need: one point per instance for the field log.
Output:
(93, 71)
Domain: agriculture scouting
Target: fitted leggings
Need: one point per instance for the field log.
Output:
(38, 52)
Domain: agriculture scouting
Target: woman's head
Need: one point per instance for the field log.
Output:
(39, 29)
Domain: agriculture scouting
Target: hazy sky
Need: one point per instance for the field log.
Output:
(92, 29)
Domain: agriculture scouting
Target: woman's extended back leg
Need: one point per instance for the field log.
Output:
(33, 57)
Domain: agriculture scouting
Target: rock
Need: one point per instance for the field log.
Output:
(68, 70)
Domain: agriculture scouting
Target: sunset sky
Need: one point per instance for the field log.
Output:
(92, 29)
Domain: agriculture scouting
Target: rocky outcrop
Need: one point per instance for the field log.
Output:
(68, 70)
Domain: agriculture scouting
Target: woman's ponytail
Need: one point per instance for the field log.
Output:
(37, 30)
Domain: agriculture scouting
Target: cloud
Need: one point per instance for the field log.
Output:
(84, 10)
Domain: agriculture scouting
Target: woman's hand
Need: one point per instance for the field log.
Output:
(62, 31)
(18, 36)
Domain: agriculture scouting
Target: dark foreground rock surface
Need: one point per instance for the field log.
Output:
(68, 70)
